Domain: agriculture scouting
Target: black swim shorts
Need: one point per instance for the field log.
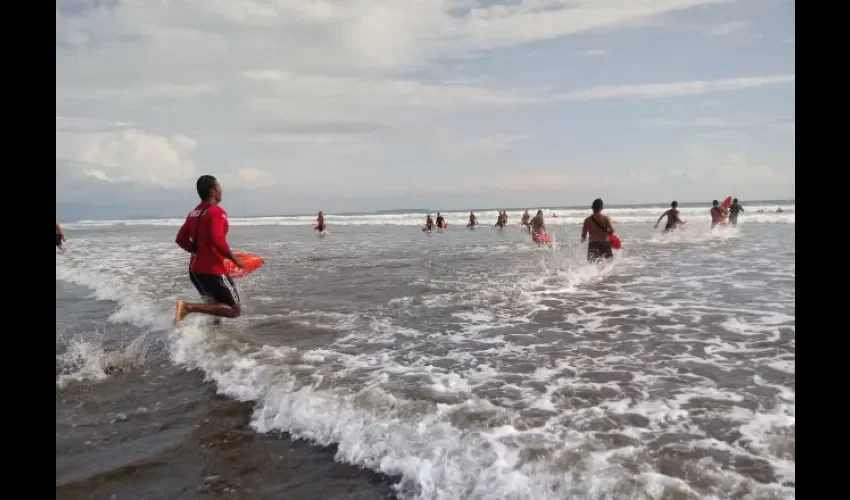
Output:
(216, 288)
(599, 250)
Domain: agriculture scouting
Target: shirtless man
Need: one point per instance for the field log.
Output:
(441, 222)
(320, 222)
(500, 221)
(718, 214)
(429, 223)
(473, 220)
(60, 237)
(598, 226)
(537, 224)
(525, 218)
(673, 219)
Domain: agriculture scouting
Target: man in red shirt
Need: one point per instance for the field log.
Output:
(204, 235)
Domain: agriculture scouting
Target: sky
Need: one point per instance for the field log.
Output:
(360, 105)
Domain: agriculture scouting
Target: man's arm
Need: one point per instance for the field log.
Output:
(183, 239)
(219, 240)
(610, 225)
(659, 219)
(584, 231)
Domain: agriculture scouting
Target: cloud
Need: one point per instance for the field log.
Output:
(294, 100)
(703, 122)
(488, 145)
(594, 52)
(725, 28)
(788, 127)
(674, 89)
(125, 153)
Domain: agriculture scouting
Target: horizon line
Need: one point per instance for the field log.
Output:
(399, 211)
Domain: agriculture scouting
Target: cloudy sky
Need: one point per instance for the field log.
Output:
(348, 105)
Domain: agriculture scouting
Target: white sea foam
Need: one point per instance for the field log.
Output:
(756, 214)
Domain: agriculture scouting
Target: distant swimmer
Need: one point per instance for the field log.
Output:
(204, 236)
(60, 237)
(537, 224)
(598, 226)
(673, 219)
(320, 222)
(718, 214)
(734, 209)
(441, 222)
(525, 218)
(429, 223)
(473, 220)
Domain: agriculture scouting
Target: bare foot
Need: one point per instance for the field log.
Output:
(181, 312)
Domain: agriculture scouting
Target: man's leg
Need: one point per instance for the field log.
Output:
(220, 288)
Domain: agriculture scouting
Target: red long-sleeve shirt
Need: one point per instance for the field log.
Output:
(212, 244)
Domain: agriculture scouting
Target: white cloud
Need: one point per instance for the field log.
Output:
(674, 89)
(311, 96)
(126, 153)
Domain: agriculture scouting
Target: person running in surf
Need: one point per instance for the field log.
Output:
(718, 214)
(525, 218)
(734, 209)
(500, 221)
(60, 237)
(320, 222)
(204, 236)
(598, 226)
(537, 225)
(673, 219)
(473, 220)
(429, 223)
(441, 222)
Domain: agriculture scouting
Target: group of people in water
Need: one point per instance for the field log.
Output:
(720, 215)
(204, 236)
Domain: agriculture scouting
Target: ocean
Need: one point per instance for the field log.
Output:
(381, 362)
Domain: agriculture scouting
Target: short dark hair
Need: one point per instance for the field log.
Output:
(714, 202)
(674, 204)
(204, 184)
(735, 200)
(597, 205)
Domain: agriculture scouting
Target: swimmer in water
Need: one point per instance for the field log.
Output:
(673, 219)
(500, 221)
(473, 220)
(429, 223)
(320, 222)
(734, 209)
(60, 237)
(598, 226)
(718, 214)
(441, 222)
(537, 225)
(525, 218)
